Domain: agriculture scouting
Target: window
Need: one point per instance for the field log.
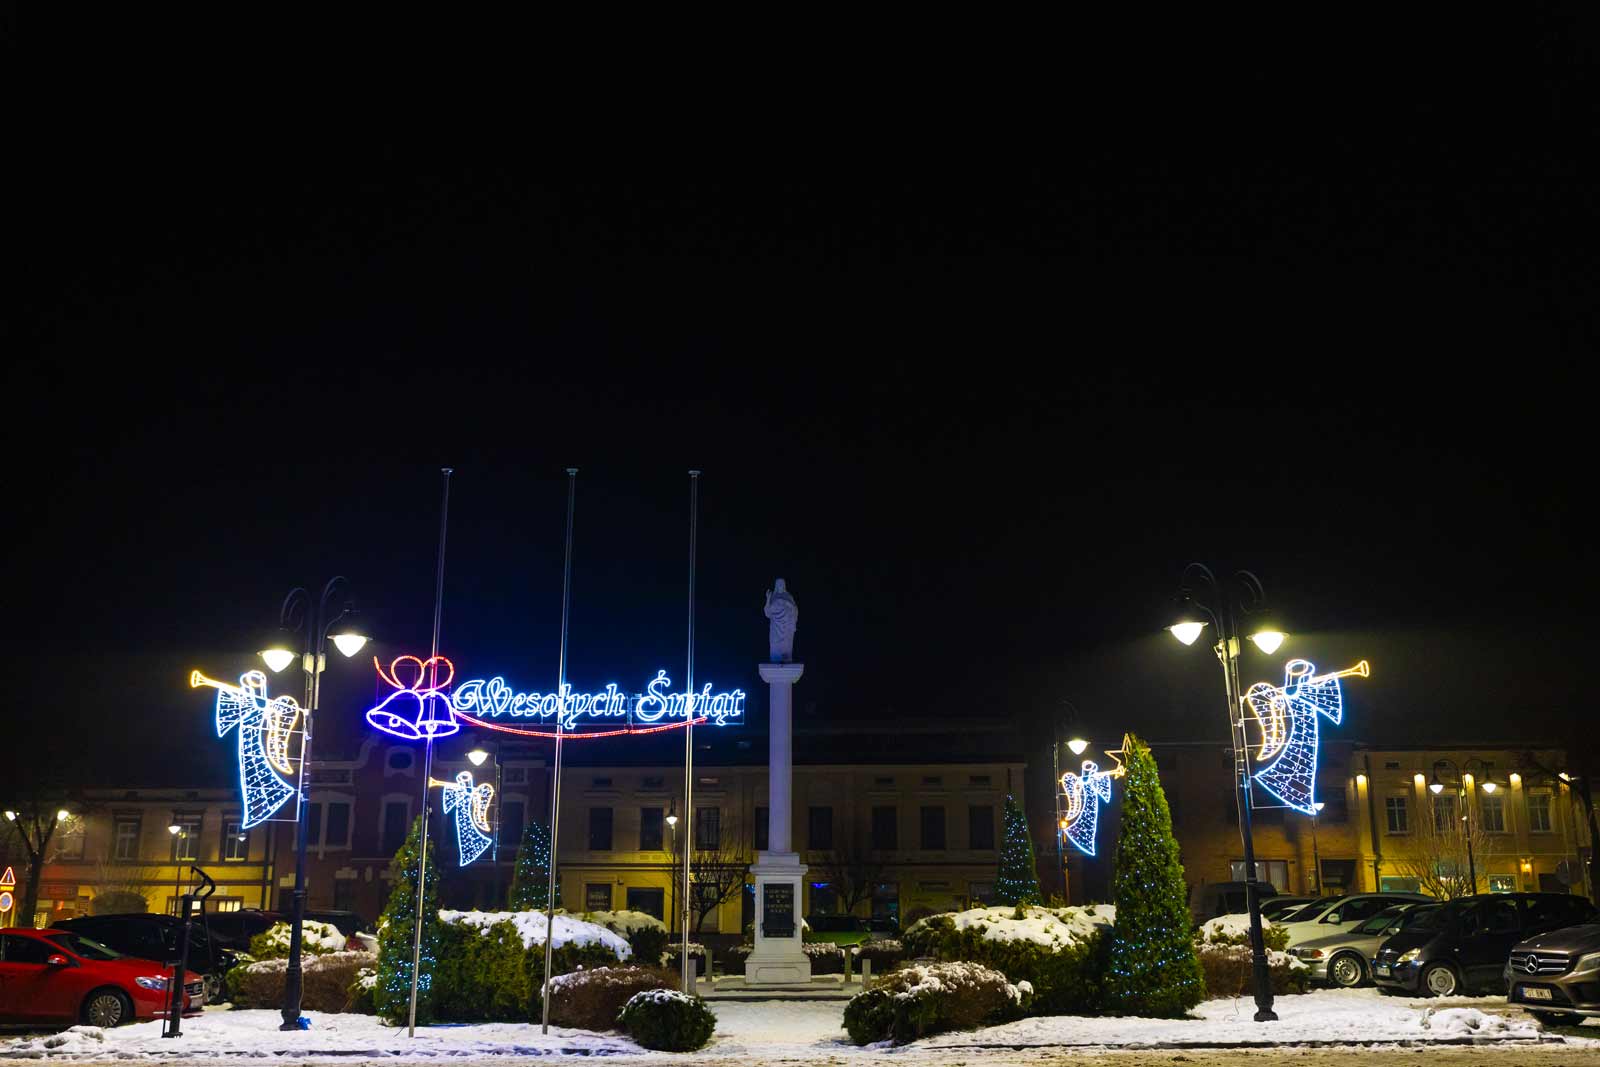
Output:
(649, 901)
(650, 829)
(597, 895)
(708, 828)
(186, 842)
(980, 826)
(344, 894)
(932, 826)
(513, 814)
(600, 836)
(337, 833)
(819, 828)
(396, 824)
(600, 783)
(1492, 810)
(1395, 809)
(1398, 884)
(314, 823)
(235, 840)
(1391, 765)
(978, 780)
(1275, 872)
(127, 836)
(653, 781)
(399, 759)
(15, 948)
(761, 830)
(1539, 813)
(885, 827)
(1444, 814)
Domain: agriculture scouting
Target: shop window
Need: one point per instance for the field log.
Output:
(597, 896)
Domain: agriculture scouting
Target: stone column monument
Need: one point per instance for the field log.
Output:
(777, 958)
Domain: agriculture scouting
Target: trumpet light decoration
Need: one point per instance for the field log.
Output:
(266, 729)
(1083, 794)
(469, 804)
(1289, 728)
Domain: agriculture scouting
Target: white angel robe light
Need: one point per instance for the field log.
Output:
(1084, 794)
(266, 730)
(1289, 732)
(470, 804)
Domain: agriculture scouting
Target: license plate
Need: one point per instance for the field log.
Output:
(1534, 993)
(1380, 968)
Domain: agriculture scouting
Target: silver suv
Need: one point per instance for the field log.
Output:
(1556, 976)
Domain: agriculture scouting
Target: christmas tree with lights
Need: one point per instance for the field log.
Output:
(396, 931)
(1017, 880)
(530, 882)
(1153, 969)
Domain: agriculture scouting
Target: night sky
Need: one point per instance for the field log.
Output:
(978, 410)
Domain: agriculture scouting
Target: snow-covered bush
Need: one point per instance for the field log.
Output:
(667, 1020)
(591, 999)
(922, 999)
(315, 939)
(491, 964)
(825, 956)
(883, 955)
(646, 935)
(1058, 951)
(360, 992)
(1224, 948)
(325, 981)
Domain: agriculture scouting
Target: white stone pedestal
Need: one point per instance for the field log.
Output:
(777, 958)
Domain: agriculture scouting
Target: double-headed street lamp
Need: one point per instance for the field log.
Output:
(1203, 600)
(316, 623)
(1463, 776)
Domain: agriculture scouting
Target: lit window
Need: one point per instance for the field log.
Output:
(235, 841)
(1399, 820)
(1539, 821)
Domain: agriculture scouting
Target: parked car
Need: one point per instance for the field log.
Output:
(1463, 945)
(883, 926)
(1327, 915)
(234, 929)
(1342, 958)
(1556, 975)
(845, 930)
(1210, 899)
(155, 937)
(348, 922)
(57, 976)
(1275, 908)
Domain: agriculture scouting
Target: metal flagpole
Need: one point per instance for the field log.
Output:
(688, 734)
(427, 758)
(555, 777)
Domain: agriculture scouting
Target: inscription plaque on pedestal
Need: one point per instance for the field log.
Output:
(777, 910)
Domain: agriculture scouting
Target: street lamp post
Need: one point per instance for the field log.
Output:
(317, 622)
(1316, 857)
(672, 882)
(177, 832)
(1202, 599)
(1462, 774)
(477, 757)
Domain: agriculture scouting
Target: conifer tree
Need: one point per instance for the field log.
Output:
(1152, 967)
(530, 881)
(396, 931)
(1017, 880)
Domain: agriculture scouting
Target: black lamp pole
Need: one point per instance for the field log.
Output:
(1221, 604)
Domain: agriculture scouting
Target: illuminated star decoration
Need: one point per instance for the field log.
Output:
(1288, 717)
(1084, 794)
(470, 804)
(265, 729)
(415, 712)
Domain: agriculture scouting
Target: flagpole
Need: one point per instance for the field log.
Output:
(688, 733)
(555, 778)
(427, 758)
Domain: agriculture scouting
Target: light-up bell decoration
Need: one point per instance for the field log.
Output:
(1289, 732)
(266, 728)
(470, 805)
(1084, 793)
(416, 711)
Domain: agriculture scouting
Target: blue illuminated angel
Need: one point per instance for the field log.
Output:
(1084, 793)
(1289, 732)
(266, 731)
(470, 804)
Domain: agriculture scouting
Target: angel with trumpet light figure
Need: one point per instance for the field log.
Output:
(1287, 715)
(470, 805)
(1083, 794)
(266, 728)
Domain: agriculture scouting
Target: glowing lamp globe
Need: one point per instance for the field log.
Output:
(1489, 787)
(349, 642)
(1437, 787)
(63, 815)
(477, 756)
(672, 820)
(173, 829)
(1187, 632)
(1077, 745)
(1268, 641)
(11, 816)
(277, 658)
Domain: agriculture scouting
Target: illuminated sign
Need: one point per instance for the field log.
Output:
(268, 742)
(1288, 718)
(8, 882)
(470, 804)
(1083, 794)
(415, 712)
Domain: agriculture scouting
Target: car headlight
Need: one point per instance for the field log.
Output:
(1587, 963)
(1410, 955)
(150, 983)
(1307, 953)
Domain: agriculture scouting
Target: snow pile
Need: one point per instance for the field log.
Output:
(675, 949)
(625, 922)
(821, 949)
(73, 1042)
(1057, 928)
(314, 937)
(309, 964)
(594, 974)
(661, 996)
(531, 927)
(886, 946)
(1228, 937)
(1230, 929)
(925, 979)
(1470, 1022)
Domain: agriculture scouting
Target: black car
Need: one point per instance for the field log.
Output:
(1462, 945)
(234, 929)
(155, 937)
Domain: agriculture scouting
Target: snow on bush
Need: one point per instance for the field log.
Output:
(1056, 928)
(1470, 1022)
(625, 922)
(591, 999)
(1223, 944)
(923, 999)
(668, 1020)
(531, 928)
(1056, 950)
(327, 980)
(820, 949)
(315, 938)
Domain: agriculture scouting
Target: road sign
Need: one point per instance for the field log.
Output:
(6, 900)
(9, 879)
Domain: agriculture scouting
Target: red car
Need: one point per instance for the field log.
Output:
(60, 976)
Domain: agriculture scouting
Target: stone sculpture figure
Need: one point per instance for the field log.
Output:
(784, 616)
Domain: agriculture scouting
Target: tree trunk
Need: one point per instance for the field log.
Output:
(30, 896)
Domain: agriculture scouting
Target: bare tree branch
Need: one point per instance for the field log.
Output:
(1441, 851)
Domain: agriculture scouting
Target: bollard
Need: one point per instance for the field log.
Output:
(866, 972)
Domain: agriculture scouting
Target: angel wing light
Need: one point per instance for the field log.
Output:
(1083, 794)
(470, 805)
(1289, 729)
(266, 729)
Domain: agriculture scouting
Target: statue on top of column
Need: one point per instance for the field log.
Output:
(784, 614)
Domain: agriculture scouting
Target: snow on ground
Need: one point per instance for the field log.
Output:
(769, 1031)
(570, 930)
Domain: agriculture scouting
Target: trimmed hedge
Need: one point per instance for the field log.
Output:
(667, 1020)
(1065, 981)
(485, 974)
(917, 1001)
(591, 1000)
(883, 955)
(645, 934)
(325, 981)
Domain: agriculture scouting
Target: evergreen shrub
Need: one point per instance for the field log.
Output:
(592, 999)
(667, 1020)
(883, 955)
(922, 999)
(397, 929)
(1017, 877)
(1065, 975)
(1225, 957)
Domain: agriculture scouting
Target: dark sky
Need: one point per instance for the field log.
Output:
(978, 409)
